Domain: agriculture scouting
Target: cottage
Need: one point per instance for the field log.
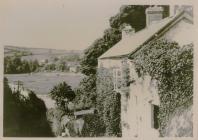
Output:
(138, 111)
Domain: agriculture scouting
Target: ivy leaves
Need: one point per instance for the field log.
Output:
(172, 66)
(108, 102)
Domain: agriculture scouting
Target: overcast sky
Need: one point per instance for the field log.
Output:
(60, 24)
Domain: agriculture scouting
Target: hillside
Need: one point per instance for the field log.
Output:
(39, 53)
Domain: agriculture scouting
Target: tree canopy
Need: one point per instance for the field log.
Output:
(14, 65)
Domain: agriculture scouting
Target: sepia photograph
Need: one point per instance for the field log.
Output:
(97, 69)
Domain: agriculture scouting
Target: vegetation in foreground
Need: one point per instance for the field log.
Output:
(24, 116)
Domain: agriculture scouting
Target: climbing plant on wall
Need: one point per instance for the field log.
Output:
(108, 103)
(125, 74)
(172, 66)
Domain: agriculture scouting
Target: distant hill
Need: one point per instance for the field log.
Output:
(39, 53)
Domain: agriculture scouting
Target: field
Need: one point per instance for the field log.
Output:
(42, 83)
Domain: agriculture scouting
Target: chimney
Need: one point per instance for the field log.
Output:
(153, 14)
(172, 10)
(127, 30)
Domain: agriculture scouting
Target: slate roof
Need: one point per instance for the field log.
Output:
(131, 43)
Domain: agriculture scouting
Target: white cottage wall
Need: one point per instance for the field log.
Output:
(110, 63)
(180, 32)
(143, 94)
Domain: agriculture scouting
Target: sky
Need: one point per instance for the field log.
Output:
(59, 24)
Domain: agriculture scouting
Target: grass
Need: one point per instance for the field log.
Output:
(42, 83)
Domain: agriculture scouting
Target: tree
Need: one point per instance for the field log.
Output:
(16, 60)
(26, 67)
(130, 14)
(86, 93)
(14, 64)
(89, 61)
(33, 65)
(62, 94)
(61, 65)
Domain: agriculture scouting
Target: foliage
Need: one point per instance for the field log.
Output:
(133, 15)
(108, 103)
(61, 65)
(54, 116)
(21, 53)
(86, 93)
(172, 66)
(112, 114)
(14, 64)
(71, 58)
(176, 120)
(24, 117)
(130, 14)
(89, 61)
(50, 67)
(93, 126)
(62, 94)
(125, 74)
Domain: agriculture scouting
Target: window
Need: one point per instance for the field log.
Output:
(117, 78)
(155, 113)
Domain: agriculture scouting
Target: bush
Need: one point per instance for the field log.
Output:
(93, 126)
(24, 117)
(86, 93)
(62, 94)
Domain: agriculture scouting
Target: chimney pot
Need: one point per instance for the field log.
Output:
(154, 13)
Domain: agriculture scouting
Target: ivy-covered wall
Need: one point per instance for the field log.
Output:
(108, 98)
(108, 103)
(172, 66)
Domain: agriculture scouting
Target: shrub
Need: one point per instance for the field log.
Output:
(24, 117)
(62, 94)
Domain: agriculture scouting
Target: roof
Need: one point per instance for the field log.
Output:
(129, 44)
